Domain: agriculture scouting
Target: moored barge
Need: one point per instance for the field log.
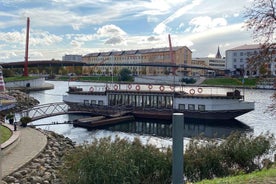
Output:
(157, 102)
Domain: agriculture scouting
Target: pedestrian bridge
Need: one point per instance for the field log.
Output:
(47, 110)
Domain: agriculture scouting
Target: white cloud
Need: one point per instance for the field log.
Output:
(114, 40)
(203, 23)
(162, 27)
(77, 44)
(110, 31)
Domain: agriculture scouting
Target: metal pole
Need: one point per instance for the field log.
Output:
(178, 126)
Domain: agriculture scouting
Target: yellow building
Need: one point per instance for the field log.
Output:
(181, 55)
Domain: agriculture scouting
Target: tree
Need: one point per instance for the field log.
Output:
(261, 18)
(125, 75)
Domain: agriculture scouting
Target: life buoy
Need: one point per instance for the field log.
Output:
(115, 87)
(137, 87)
(162, 88)
(91, 89)
(150, 86)
(199, 90)
(172, 88)
(129, 86)
(192, 91)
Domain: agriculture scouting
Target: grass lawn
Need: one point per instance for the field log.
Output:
(89, 78)
(231, 81)
(258, 177)
(5, 134)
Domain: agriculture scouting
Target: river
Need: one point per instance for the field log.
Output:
(159, 133)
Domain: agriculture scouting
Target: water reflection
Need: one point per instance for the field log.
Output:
(192, 128)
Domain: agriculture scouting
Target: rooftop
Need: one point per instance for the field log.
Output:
(247, 47)
(138, 51)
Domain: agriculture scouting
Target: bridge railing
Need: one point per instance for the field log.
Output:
(45, 110)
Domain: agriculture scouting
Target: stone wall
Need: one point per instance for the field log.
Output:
(44, 168)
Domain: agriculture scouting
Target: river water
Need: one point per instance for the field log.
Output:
(159, 133)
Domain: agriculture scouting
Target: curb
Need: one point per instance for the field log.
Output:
(12, 141)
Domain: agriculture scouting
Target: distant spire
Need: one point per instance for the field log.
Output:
(218, 55)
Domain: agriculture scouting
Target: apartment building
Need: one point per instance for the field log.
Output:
(217, 64)
(237, 58)
(77, 58)
(181, 55)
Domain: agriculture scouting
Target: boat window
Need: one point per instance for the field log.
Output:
(86, 102)
(93, 102)
(138, 101)
(100, 102)
(181, 106)
(168, 102)
(201, 107)
(154, 103)
(191, 107)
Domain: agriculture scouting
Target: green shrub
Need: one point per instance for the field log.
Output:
(238, 153)
(118, 161)
(188, 80)
(25, 120)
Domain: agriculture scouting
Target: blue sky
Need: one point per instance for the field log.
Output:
(59, 27)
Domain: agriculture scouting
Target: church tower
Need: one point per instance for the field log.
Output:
(218, 55)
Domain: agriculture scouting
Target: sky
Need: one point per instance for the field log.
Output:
(59, 27)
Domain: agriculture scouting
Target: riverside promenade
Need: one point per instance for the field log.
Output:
(24, 145)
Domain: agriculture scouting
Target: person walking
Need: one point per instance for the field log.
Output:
(14, 126)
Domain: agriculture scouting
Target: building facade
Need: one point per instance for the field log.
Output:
(77, 58)
(160, 56)
(218, 66)
(237, 60)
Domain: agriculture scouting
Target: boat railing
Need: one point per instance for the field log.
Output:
(189, 90)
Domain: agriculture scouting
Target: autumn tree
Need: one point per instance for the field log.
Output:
(261, 19)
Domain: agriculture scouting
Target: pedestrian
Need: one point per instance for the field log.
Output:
(14, 125)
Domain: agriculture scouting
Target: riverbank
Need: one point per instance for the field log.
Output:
(44, 167)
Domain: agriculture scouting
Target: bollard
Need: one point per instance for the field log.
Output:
(177, 135)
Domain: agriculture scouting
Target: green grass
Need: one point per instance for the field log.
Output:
(231, 81)
(89, 78)
(5, 134)
(18, 78)
(263, 176)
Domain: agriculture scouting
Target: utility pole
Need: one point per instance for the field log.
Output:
(26, 73)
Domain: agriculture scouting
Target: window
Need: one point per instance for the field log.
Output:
(235, 54)
(191, 107)
(201, 107)
(93, 102)
(86, 102)
(181, 106)
(235, 60)
(100, 102)
(241, 60)
(241, 53)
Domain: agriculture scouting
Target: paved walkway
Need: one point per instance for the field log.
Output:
(31, 143)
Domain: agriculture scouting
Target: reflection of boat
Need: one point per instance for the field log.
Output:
(192, 128)
(157, 102)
